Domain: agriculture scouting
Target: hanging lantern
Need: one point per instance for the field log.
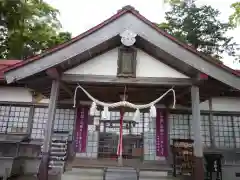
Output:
(153, 112)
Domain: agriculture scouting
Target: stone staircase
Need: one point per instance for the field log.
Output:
(115, 173)
(58, 153)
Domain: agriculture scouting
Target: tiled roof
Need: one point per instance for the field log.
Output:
(124, 10)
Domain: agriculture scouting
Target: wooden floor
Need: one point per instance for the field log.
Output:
(101, 163)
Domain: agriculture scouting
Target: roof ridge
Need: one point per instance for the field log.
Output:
(128, 8)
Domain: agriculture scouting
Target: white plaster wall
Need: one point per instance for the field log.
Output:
(15, 94)
(148, 66)
(222, 104)
(106, 64)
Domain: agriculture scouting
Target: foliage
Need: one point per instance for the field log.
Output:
(27, 27)
(199, 27)
(235, 17)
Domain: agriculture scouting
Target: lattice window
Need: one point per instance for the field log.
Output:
(92, 141)
(179, 126)
(40, 118)
(14, 119)
(18, 119)
(223, 128)
(64, 120)
(92, 138)
(112, 125)
(149, 137)
(136, 127)
(4, 116)
(205, 129)
(236, 123)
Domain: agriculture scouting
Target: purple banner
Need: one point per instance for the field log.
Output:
(81, 129)
(161, 133)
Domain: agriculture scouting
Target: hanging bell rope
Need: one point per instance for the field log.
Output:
(123, 103)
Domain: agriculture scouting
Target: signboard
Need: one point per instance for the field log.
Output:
(81, 129)
(161, 134)
(183, 156)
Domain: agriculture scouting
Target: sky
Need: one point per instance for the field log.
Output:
(77, 16)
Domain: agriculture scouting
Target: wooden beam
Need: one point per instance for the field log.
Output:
(66, 89)
(72, 78)
(54, 74)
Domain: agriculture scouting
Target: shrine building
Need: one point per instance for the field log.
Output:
(114, 100)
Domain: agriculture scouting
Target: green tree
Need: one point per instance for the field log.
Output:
(235, 17)
(199, 27)
(27, 27)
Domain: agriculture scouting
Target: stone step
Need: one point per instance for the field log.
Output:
(83, 174)
(59, 138)
(63, 147)
(59, 144)
(159, 178)
(52, 166)
(57, 162)
(58, 158)
(155, 175)
(86, 171)
(80, 177)
(58, 153)
(121, 173)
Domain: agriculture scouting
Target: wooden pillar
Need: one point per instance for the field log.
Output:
(30, 121)
(43, 174)
(211, 124)
(198, 149)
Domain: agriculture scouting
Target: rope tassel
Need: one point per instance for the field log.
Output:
(136, 116)
(153, 112)
(105, 113)
(93, 109)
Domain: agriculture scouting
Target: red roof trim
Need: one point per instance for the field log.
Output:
(4, 64)
(120, 13)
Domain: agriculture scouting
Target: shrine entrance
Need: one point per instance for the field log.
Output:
(132, 134)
